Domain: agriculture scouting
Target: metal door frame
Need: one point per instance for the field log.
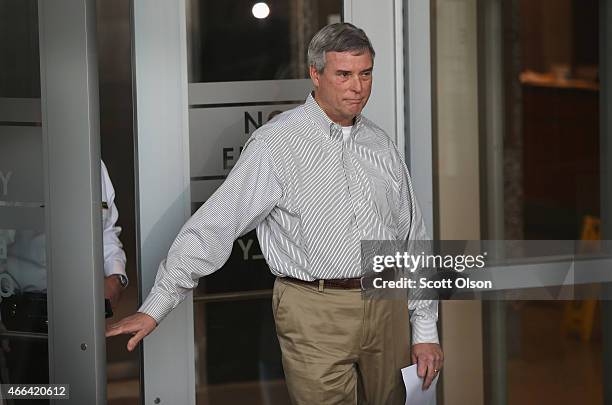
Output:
(73, 218)
(161, 127)
(605, 114)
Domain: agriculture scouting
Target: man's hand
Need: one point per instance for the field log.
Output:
(112, 288)
(429, 359)
(138, 324)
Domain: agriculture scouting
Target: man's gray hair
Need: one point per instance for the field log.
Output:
(338, 37)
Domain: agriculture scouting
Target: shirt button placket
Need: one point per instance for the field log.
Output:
(351, 180)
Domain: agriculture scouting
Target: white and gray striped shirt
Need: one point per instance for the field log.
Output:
(312, 197)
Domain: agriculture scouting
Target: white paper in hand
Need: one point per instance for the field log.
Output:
(414, 388)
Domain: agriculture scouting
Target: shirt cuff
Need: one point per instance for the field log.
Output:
(157, 306)
(424, 330)
(114, 267)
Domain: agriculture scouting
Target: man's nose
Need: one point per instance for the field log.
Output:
(356, 84)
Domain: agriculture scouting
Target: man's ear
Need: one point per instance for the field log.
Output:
(314, 76)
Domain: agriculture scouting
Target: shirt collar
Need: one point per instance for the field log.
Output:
(321, 119)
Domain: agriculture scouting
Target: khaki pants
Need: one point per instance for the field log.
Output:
(340, 348)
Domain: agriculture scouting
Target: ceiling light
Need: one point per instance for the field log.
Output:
(261, 10)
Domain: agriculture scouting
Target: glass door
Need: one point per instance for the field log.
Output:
(237, 352)
(50, 206)
(23, 255)
(521, 157)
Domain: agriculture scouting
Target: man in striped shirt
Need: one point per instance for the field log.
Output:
(314, 182)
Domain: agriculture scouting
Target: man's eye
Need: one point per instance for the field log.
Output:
(344, 74)
(366, 74)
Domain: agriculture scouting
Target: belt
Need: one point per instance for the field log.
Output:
(337, 283)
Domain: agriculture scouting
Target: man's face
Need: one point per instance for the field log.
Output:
(344, 86)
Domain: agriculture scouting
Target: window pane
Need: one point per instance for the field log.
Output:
(517, 143)
(228, 43)
(238, 358)
(23, 264)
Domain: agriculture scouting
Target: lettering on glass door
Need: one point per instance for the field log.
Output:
(246, 250)
(251, 123)
(216, 140)
(5, 177)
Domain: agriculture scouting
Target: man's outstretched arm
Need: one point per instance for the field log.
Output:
(205, 242)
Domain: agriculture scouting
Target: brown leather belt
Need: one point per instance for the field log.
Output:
(338, 283)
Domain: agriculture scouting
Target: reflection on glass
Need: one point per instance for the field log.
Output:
(530, 167)
(23, 309)
(25, 266)
(23, 281)
(552, 177)
(552, 97)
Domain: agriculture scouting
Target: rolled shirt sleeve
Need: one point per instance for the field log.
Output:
(205, 242)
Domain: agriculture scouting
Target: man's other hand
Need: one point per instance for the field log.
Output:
(112, 288)
(429, 359)
(139, 325)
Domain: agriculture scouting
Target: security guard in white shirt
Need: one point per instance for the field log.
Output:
(114, 256)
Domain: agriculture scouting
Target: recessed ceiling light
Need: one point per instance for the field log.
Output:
(261, 10)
